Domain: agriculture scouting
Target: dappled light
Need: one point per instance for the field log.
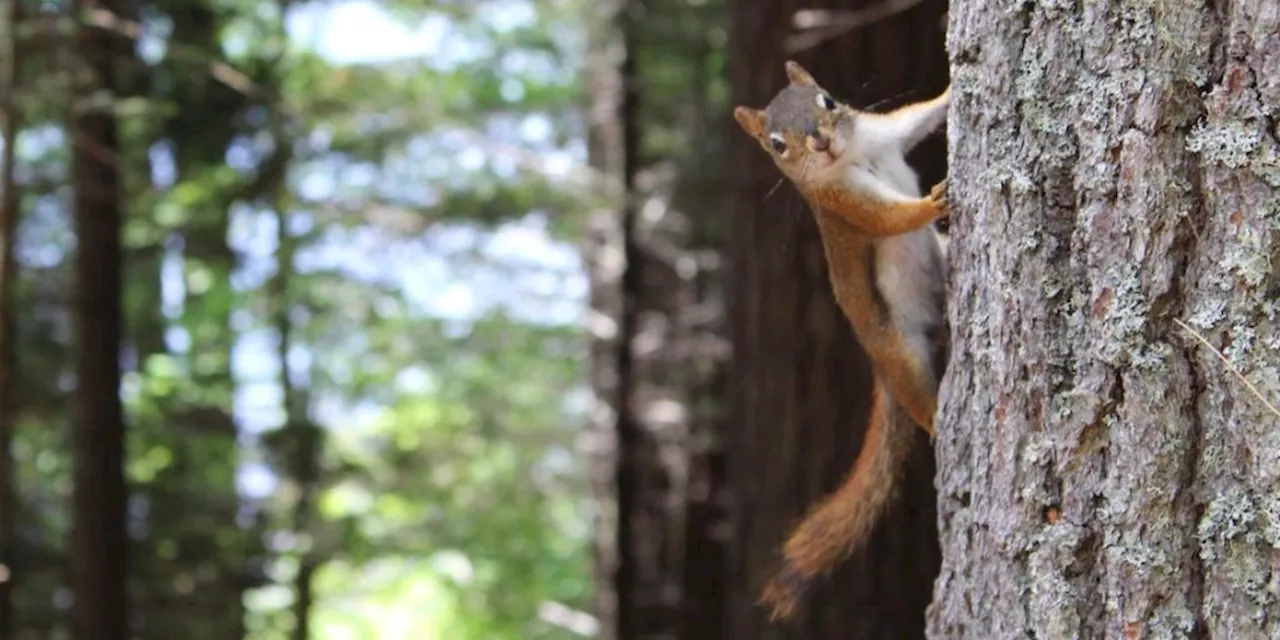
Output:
(638, 319)
(352, 378)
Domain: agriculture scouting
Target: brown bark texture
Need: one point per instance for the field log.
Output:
(800, 383)
(1115, 180)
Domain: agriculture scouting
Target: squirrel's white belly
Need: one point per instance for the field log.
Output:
(908, 273)
(909, 280)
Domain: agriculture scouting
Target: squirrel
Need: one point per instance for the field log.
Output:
(886, 266)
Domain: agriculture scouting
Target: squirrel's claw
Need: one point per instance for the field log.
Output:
(939, 195)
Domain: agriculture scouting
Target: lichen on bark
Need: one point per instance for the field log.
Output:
(1116, 186)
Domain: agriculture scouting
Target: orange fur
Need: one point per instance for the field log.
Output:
(876, 216)
(849, 166)
(904, 394)
(842, 522)
(907, 379)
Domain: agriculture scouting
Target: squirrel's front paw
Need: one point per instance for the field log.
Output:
(939, 195)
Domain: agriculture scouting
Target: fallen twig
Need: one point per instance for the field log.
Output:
(1252, 389)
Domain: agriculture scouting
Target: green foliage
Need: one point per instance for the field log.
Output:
(445, 492)
(471, 467)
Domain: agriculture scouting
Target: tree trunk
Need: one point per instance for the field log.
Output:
(601, 253)
(702, 355)
(663, 369)
(99, 545)
(800, 383)
(1115, 174)
(8, 273)
(639, 528)
(634, 289)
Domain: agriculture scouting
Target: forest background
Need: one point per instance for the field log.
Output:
(391, 319)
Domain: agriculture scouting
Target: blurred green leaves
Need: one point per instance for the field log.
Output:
(448, 496)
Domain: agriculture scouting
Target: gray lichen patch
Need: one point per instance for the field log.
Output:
(1266, 165)
(1120, 172)
(1229, 516)
(1231, 546)
(1227, 143)
(1052, 599)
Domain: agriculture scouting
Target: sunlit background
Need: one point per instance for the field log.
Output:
(484, 320)
(434, 298)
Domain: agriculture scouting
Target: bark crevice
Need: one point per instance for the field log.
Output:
(1079, 149)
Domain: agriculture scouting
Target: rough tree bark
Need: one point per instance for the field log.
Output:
(1116, 178)
(799, 381)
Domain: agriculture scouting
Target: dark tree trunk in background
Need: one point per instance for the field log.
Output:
(8, 273)
(800, 383)
(659, 353)
(1115, 178)
(297, 441)
(637, 589)
(99, 544)
(702, 353)
(603, 254)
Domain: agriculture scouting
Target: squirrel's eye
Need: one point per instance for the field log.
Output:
(779, 145)
(826, 102)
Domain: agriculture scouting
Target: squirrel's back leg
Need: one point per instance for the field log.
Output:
(905, 364)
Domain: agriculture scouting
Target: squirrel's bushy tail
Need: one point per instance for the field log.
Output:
(844, 519)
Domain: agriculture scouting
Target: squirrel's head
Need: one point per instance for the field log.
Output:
(804, 129)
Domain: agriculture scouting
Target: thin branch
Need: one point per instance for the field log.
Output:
(825, 24)
(1252, 389)
(106, 157)
(572, 620)
(223, 72)
(107, 21)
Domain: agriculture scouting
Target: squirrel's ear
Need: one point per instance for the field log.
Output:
(798, 76)
(752, 120)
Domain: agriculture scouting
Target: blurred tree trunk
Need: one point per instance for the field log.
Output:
(657, 321)
(602, 254)
(800, 382)
(201, 125)
(8, 273)
(701, 354)
(99, 543)
(299, 442)
(638, 573)
(1105, 474)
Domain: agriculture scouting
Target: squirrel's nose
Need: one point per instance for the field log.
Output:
(820, 142)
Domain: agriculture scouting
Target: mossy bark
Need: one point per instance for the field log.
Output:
(1115, 178)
